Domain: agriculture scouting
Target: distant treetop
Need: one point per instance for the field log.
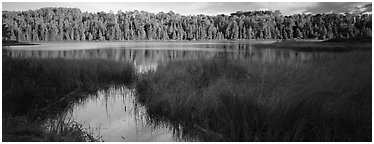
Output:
(65, 24)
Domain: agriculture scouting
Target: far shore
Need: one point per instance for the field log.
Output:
(16, 43)
(294, 44)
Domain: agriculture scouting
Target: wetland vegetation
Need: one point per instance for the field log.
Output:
(226, 100)
(37, 89)
(213, 80)
(242, 93)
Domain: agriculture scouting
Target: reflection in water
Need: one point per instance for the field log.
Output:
(149, 57)
(116, 116)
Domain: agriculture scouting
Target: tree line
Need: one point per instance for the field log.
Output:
(64, 24)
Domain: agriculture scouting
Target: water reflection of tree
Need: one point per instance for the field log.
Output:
(150, 58)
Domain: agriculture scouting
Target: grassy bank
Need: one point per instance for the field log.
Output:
(35, 90)
(328, 99)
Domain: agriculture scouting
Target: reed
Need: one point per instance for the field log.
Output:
(226, 100)
(40, 89)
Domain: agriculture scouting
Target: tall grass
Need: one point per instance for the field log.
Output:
(38, 89)
(36, 83)
(226, 100)
(22, 129)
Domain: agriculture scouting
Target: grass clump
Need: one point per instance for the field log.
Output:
(35, 90)
(328, 99)
(21, 129)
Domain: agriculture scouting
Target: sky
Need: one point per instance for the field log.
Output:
(195, 8)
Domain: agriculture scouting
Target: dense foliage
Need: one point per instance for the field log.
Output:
(56, 24)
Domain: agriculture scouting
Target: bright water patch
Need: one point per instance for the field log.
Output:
(115, 115)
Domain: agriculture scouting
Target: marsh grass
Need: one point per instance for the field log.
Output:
(35, 90)
(327, 99)
(21, 129)
(33, 84)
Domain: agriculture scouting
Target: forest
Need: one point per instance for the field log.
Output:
(66, 24)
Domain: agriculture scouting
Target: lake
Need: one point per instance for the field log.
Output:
(113, 113)
(148, 55)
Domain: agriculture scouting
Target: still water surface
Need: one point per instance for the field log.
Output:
(113, 113)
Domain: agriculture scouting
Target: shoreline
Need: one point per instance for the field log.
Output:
(17, 43)
(293, 44)
(315, 46)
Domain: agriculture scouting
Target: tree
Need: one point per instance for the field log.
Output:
(90, 37)
(298, 34)
(6, 32)
(54, 24)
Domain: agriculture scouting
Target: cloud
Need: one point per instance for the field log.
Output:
(286, 8)
(289, 8)
(195, 8)
(361, 9)
(336, 7)
(368, 7)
